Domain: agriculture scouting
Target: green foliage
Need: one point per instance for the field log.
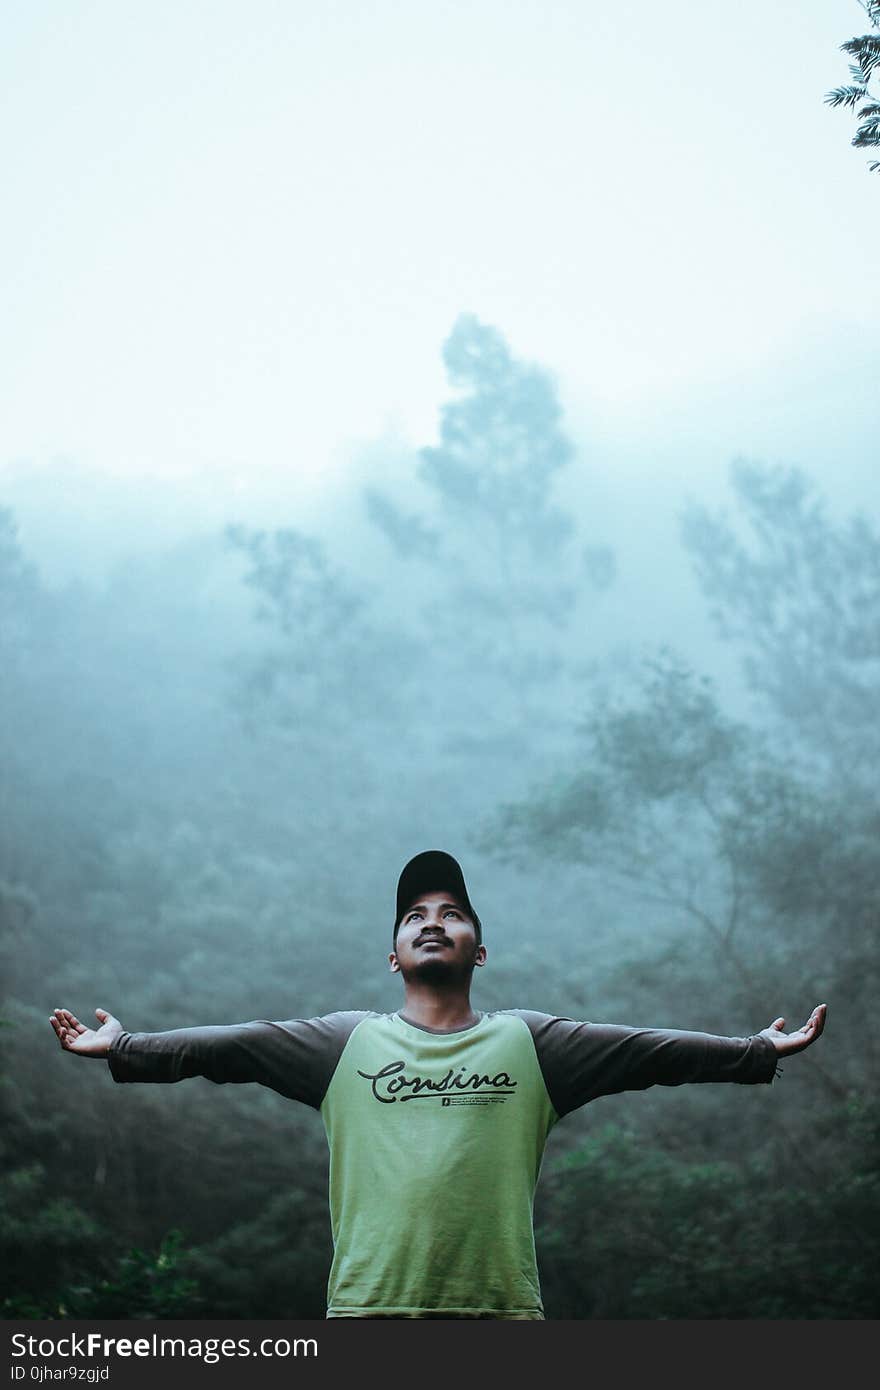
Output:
(627, 1230)
(138, 1284)
(866, 52)
(274, 1266)
(39, 1231)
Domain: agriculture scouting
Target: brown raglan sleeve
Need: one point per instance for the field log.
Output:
(581, 1061)
(296, 1058)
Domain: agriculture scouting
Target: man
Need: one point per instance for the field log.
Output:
(436, 1116)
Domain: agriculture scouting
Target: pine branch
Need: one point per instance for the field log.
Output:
(845, 96)
(865, 48)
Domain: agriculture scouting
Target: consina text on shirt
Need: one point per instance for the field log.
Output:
(95, 1344)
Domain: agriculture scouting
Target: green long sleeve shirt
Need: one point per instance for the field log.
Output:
(436, 1138)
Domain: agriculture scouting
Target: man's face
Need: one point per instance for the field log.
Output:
(436, 940)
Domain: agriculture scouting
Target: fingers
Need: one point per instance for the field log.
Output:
(810, 1031)
(816, 1022)
(67, 1027)
(64, 1024)
(813, 1025)
(802, 1037)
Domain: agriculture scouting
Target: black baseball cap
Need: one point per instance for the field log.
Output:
(433, 871)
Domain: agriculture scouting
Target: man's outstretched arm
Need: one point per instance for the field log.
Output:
(581, 1061)
(297, 1058)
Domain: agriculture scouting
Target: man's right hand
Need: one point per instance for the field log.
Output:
(88, 1042)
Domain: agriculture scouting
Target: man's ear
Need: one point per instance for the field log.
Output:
(393, 964)
(480, 957)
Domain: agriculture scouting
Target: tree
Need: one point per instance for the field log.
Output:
(682, 813)
(501, 445)
(503, 578)
(866, 52)
(762, 835)
(799, 594)
(330, 664)
(491, 478)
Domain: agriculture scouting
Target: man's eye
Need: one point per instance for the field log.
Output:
(450, 913)
(412, 916)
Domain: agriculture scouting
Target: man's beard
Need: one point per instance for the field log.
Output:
(436, 971)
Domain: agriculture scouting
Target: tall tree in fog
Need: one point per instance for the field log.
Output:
(865, 50)
(501, 447)
(460, 641)
(505, 574)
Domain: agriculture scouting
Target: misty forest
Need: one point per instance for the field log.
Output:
(663, 791)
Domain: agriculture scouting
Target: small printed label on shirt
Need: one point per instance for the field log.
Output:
(473, 1100)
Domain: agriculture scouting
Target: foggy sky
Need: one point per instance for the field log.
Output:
(233, 248)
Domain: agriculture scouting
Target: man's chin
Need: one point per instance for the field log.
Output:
(435, 970)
